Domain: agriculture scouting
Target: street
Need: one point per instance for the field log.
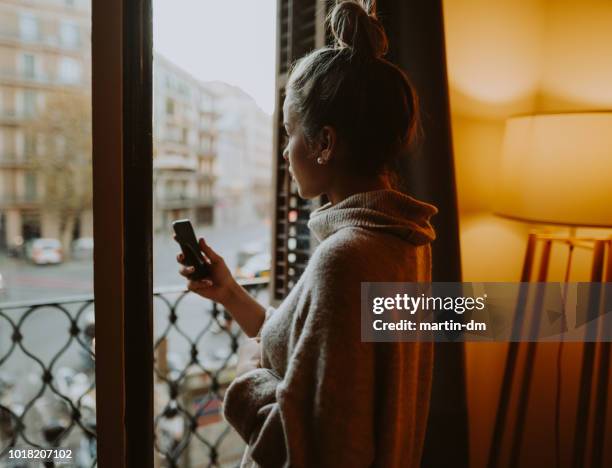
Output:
(27, 282)
(46, 330)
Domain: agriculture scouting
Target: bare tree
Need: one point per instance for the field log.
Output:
(62, 158)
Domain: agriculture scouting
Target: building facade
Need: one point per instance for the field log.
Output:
(184, 154)
(243, 190)
(44, 51)
(212, 144)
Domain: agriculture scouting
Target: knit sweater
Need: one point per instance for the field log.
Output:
(322, 397)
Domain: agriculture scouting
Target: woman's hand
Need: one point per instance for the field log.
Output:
(249, 356)
(219, 285)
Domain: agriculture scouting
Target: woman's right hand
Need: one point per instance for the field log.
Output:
(219, 285)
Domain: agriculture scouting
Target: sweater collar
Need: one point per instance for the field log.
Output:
(386, 211)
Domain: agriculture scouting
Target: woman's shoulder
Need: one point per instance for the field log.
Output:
(348, 248)
(354, 239)
(357, 253)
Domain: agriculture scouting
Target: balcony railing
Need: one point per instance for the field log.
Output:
(14, 36)
(47, 379)
(22, 200)
(11, 76)
(175, 162)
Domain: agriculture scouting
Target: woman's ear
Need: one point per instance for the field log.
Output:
(328, 142)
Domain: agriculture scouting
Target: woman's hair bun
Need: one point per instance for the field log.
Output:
(354, 25)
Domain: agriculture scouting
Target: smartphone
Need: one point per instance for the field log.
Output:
(186, 238)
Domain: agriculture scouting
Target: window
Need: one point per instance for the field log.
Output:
(206, 88)
(169, 106)
(70, 34)
(205, 145)
(28, 65)
(31, 190)
(28, 27)
(170, 191)
(29, 103)
(69, 70)
(30, 146)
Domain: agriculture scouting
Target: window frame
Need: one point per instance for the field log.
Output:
(122, 57)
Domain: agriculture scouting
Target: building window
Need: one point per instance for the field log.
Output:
(29, 66)
(30, 146)
(31, 191)
(206, 145)
(28, 27)
(69, 70)
(70, 34)
(169, 106)
(29, 103)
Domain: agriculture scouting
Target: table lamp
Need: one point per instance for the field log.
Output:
(557, 170)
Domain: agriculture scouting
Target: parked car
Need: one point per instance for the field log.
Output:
(44, 251)
(251, 249)
(257, 266)
(82, 248)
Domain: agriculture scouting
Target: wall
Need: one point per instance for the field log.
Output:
(508, 57)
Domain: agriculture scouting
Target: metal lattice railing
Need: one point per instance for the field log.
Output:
(193, 367)
(47, 379)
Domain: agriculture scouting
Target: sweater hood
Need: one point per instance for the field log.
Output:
(386, 211)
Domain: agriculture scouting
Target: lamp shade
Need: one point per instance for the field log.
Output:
(557, 169)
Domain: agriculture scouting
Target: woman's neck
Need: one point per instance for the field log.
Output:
(344, 188)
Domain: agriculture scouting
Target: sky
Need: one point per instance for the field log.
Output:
(228, 40)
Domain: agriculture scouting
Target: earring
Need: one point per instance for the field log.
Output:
(321, 159)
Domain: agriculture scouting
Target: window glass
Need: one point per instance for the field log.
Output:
(28, 27)
(213, 100)
(69, 70)
(70, 34)
(169, 106)
(30, 185)
(29, 103)
(29, 66)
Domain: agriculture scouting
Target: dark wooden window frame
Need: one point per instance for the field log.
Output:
(122, 183)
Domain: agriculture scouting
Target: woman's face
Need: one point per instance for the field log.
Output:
(312, 179)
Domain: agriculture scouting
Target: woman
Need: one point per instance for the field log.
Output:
(308, 391)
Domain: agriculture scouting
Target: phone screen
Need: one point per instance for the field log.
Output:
(186, 238)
